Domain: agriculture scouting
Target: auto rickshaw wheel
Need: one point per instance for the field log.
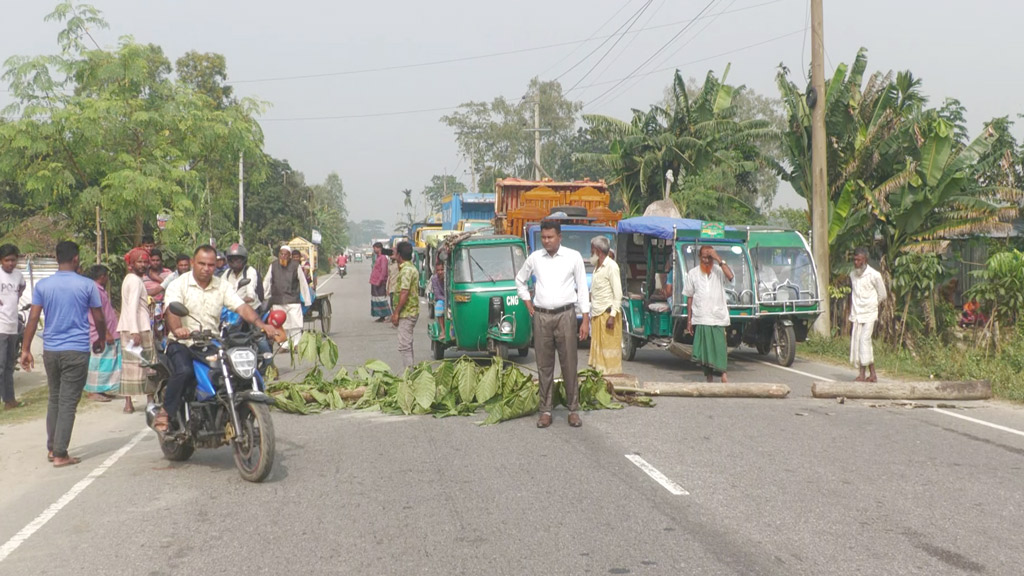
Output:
(501, 350)
(628, 342)
(786, 346)
(524, 351)
(437, 349)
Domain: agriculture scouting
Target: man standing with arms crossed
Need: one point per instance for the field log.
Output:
(561, 285)
(67, 299)
(707, 313)
(868, 293)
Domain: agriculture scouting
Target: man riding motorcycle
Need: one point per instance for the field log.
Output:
(238, 270)
(204, 295)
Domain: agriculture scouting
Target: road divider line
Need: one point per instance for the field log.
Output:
(41, 520)
(977, 421)
(657, 476)
(795, 371)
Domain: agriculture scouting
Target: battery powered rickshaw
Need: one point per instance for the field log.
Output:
(654, 254)
(482, 310)
(786, 289)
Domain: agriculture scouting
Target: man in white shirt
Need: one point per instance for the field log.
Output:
(561, 286)
(707, 313)
(12, 284)
(182, 266)
(868, 292)
(204, 295)
(238, 268)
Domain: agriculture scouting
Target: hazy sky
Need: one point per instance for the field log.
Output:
(969, 50)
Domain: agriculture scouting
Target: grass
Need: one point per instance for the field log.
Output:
(35, 407)
(934, 359)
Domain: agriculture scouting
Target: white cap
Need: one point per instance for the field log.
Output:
(285, 247)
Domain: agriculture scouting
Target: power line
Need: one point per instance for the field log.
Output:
(605, 82)
(474, 57)
(677, 50)
(592, 37)
(636, 18)
(629, 21)
(658, 51)
(625, 48)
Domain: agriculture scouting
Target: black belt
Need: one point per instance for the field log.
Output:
(558, 310)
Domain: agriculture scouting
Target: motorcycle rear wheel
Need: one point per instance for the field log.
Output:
(254, 446)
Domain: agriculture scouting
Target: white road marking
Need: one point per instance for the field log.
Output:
(658, 477)
(976, 421)
(41, 520)
(327, 278)
(795, 371)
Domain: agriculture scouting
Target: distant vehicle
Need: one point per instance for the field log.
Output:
(358, 257)
(466, 207)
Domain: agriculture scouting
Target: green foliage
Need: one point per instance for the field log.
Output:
(1001, 289)
(448, 388)
(714, 154)
(439, 187)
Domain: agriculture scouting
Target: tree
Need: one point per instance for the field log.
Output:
(709, 150)
(111, 129)
(439, 187)
(206, 74)
(364, 231)
(496, 139)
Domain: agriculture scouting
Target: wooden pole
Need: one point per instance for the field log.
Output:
(819, 174)
(708, 390)
(929, 390)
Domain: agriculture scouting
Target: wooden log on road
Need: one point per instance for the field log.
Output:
(708, 389)
(928, 390)
(353, 394)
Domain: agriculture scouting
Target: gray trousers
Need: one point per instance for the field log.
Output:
(556, 332)
(406, 326)
(66, 373)
(8, 358)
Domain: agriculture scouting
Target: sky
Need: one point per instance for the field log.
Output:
(356, 123)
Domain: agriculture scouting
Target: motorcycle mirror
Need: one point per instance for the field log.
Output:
(244, 282)
(178, 309)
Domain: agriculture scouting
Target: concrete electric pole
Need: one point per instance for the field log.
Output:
(241, 195)
(819, 174)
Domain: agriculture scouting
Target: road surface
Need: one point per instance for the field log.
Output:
(693, 486)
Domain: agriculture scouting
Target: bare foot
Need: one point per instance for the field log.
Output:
(859, 379)
(872, 379)
(709, 378)
(725, 378)
(129, 408)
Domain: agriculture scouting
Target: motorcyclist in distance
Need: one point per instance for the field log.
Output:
(204, 295)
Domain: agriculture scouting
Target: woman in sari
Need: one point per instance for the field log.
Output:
(380, 308)
(104, 380)
(135, 327)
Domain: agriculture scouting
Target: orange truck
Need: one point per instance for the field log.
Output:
(518, 203)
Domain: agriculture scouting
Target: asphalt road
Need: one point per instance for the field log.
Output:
(788, 487)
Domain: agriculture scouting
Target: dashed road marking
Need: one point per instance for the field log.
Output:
(41, 520)
(658, 477)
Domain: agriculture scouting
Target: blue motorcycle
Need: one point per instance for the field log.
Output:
(227, 404)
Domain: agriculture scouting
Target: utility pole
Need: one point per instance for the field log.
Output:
(536, 136)
(241, 195)
(99, 234)
(819, 174)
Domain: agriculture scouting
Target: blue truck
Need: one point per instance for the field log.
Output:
(467, 211)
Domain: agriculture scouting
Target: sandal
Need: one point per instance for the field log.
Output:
(49, 456)
(162, 421)
(69, 461)
(98, 397)
(13, 405)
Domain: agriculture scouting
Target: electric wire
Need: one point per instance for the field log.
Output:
(473, 57)
(601, 83)
(581, 44)
(612, 47)
(658, 51)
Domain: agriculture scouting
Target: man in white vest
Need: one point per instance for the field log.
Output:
(868, 293)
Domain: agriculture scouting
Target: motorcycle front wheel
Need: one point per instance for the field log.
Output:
(254, 446)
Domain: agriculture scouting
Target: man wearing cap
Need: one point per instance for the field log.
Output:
(561, 286)
(286, 289)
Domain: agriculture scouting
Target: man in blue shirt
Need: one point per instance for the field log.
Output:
(67, 299)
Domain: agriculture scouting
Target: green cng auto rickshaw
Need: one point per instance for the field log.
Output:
(654, 255)
(786, 288)
(482, 311)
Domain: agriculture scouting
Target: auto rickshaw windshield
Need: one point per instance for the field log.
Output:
(738, 291)
(789, 266)
(488, 263)
(578, 240)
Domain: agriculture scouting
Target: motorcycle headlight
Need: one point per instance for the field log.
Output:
(505, 327)
(242, 362)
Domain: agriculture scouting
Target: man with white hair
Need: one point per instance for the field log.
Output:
(605, 307)
(867, 293)
(286, 289)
